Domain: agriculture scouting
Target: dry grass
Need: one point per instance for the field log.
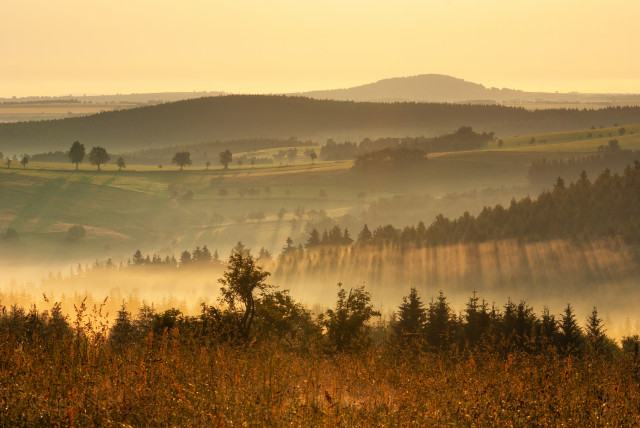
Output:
(173, 381)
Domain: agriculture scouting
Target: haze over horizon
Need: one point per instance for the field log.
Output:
(73, 47)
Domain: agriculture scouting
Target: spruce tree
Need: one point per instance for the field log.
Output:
(570, 333)
(412, 318)
(477, 319)
(595, 331)
(314, 238)
(123, 330)
(365, 235)
(439, 328)
(548, 327)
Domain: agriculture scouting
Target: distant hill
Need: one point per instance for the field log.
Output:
(442, 88)
(236, 117)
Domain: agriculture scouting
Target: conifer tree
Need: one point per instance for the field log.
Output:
(314, 239)
(595, 331)
(412, 318)
(365, 235)
(439, 328)
(548, 327)
(570, 333)
(122, 331)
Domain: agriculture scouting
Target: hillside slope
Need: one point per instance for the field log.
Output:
(253, 116)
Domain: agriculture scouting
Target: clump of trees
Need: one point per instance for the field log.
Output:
(510, 327)
(289, 154)
(388, 159)
(462, 139)
(335, 236)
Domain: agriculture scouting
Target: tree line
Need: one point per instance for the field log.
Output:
(250, 309)
(462, 139)
(610, 156)
(583, 210)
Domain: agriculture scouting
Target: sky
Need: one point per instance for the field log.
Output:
(272, 46)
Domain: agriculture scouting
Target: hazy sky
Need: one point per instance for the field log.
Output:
(99, 46)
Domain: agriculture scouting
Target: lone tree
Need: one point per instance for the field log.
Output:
(25, 161)
(98, 156)
(8, 162)
(121, 163)
(313, 156)
(182, 159)
(225, 158)
(76, 153)
(242, 279)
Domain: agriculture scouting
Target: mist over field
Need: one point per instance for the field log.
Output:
(274, 190)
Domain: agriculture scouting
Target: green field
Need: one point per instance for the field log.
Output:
(167, 210)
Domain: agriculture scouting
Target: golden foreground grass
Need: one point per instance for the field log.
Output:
(166, 381)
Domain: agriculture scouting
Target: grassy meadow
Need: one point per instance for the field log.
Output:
(165, 210)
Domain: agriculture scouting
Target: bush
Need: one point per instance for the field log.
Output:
(76, 232)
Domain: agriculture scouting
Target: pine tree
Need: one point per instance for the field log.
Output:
(477, 320)
(314, 239)
(185, 258)
(412, 318)
(205, 254)
(571, 334)
(595, 331)
(365, 235)
(439, 328)
(548, 327)
(138, 258)
(264, 255)
(122, 331)
(346, 238)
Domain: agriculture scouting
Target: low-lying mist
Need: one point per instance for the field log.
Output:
(600, 273)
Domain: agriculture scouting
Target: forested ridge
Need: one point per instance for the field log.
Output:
(268, 116)
(583, 210)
